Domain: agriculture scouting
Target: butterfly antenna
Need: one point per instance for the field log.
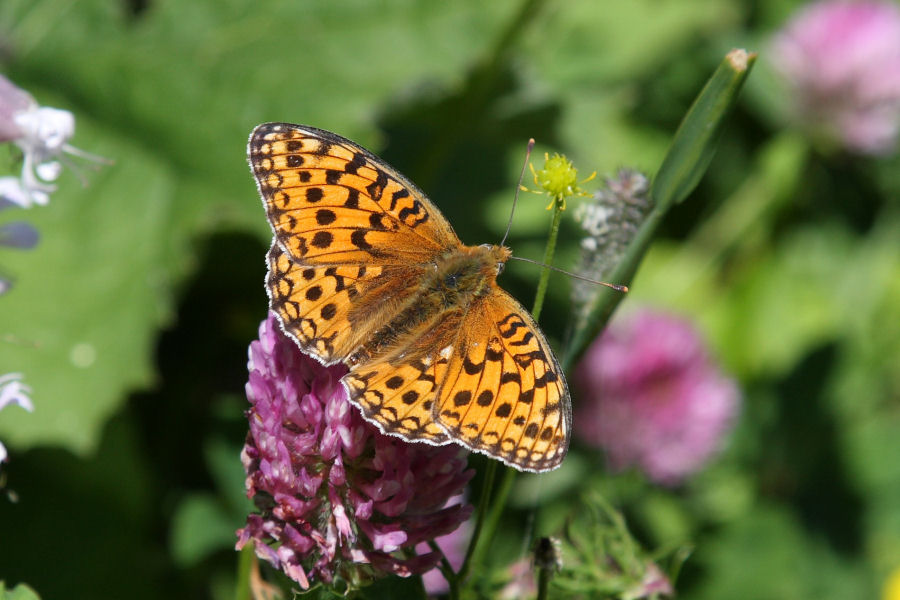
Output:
(518, 187)
(615, 286)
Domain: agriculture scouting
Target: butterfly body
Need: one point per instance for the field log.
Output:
(456, 279)
(364, 270)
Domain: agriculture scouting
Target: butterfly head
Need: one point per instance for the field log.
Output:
(496, 256)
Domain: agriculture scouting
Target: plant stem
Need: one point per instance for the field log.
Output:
(245, 565)
(543, 585)
(487, 522)
(447, 570)
(549, 251)
(483, 504)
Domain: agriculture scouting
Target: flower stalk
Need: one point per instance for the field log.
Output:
(559, 179)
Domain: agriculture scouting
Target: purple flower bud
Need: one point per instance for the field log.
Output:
(18, 234)
(13, 101)
(651, 397)
(841, 61)
(337, 499)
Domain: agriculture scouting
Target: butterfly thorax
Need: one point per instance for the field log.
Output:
(453, 281)
(465, 272)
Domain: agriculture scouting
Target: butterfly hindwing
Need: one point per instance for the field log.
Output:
(504, 393)
(331, 310)
(398, 392)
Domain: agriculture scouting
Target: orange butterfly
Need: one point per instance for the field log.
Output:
(365, 270)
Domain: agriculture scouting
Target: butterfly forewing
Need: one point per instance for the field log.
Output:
(364, 269)
(330, 201)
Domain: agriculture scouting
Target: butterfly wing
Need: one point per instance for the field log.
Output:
(353, 238)
(485, 378)
(504, 394)
(332, 310)
(398, 393)
(332, 202)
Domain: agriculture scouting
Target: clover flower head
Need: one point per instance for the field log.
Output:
(337, 499)
(841, 61)
(652, 398)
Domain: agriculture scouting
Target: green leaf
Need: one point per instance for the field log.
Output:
(687, 160)
(88, 299)
(200, 527)
(695, 141)
(20, 592)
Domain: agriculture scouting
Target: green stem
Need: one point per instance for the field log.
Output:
(447, 571)
(486, 523)
(543, 585)
(245, 565)
(421, 592)
(493, 517)
(548, 258)
(483, 503)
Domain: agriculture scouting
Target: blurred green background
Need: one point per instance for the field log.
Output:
(130, 320)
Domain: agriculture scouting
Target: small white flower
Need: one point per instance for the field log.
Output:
(13, 391)
(42, 133)
(12, 192)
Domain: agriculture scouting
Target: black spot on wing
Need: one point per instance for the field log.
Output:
(322, 239)
(358, 239)
(403, 193)
(314, 194)
(472, 368)
(359, 160)
(376, 188)
(462, 398)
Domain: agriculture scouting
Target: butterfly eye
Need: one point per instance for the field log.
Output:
(500, 267)
(451, 280)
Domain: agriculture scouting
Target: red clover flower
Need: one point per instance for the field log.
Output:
(652, 397)
(841, 62)
(337, 499)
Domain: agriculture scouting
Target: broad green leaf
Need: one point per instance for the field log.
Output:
(81, 318)
(20, 592)
(200, 526)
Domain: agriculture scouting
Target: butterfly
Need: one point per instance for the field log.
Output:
(365, 270)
